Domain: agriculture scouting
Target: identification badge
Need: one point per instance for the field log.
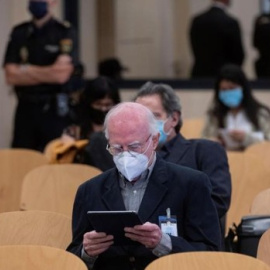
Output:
(66, 46)
(168, 224)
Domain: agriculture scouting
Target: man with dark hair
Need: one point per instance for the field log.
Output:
(215, 40)
(203, 155)
(39, 62)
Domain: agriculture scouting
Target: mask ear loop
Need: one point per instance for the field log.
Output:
(147, 149)
(170, 130)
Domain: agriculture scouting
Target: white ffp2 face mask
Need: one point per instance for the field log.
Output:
(131, 165)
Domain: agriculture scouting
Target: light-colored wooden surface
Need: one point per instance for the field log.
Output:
(207, 261)
(53, 187)
(192, 128)
(14, 165)
(261, 150)
(35, 228)
(261, 203)
(28, 257)
(263, 251)
(249, 177)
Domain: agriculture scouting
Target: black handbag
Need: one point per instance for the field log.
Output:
(245, 237)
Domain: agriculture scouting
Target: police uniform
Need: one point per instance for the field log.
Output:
(42, 110)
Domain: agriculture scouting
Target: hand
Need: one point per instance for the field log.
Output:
(62, 68)
(71, 134)
(148, 234)
(63, 59)
(67, 139)
(94, 243)
(237, 135)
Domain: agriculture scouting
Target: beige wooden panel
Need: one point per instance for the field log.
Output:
(53, 187)
(264, 247)
(207, 260)
(35, 228)
(192, 128)
(261, 150)
(38, 258)
(14, 165)
(249, 177)
(261, 203)
(144, 37)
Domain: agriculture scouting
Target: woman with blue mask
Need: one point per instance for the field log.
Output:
(236, 119)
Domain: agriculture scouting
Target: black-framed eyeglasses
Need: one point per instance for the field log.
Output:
(134, 147)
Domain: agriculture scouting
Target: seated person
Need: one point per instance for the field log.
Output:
(144, 183)
(203, 155)
(236, 119)
(111, 68)
(98, 97)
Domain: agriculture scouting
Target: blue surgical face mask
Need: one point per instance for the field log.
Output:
(162, 134)
(231, 98)
(38, 8)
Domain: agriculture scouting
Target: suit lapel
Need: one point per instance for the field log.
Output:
(181, 144)
(112, 196)
(155, 191)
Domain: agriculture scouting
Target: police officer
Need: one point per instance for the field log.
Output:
(39, 62)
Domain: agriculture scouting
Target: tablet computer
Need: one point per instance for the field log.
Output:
(113, 223)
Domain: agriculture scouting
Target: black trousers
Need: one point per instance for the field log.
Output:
(37, 123)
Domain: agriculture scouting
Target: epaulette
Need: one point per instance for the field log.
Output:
(22, 25)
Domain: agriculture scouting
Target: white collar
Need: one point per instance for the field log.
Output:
(219, 5)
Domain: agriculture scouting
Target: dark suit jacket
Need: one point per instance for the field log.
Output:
(215, 40)
(261, 41)
(206, 156)
(185, 191)
(95, 153)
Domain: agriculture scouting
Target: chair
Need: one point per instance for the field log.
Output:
(32, 257)
(53, 187)
(264, 247)
(192, 127)
(35, 228)
(249, 177)
(261, 203)
(261, 150)
(14, 165)
(210, 260)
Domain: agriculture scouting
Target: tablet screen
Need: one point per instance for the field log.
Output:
(114, 222)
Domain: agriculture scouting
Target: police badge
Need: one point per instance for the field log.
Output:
(66, 45)
(24, 55)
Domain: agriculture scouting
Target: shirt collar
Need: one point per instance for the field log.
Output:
(49, 23)
(219, 5)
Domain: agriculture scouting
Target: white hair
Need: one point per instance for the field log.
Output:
(137, 108)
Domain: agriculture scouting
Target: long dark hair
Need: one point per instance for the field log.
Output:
(98, 88)
(249, 104)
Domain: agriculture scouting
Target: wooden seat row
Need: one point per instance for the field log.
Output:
(28, 182)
